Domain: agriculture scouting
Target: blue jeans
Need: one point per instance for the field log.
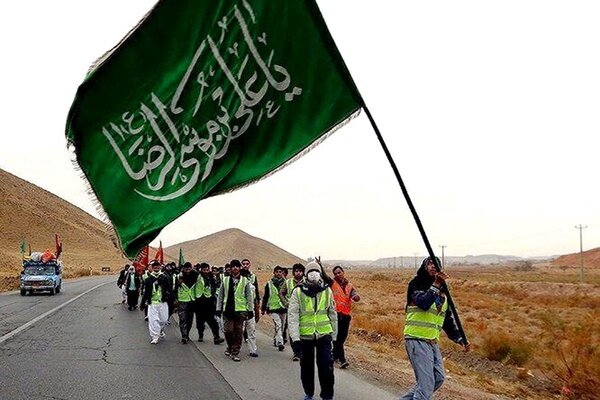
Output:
(426, 360)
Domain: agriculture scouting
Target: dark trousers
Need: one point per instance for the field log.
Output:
(185, 311)
(132, 298)
(171, 306)
(338, 345)
(205, 313)
(323, 348)
(233, 325)
(296, 348)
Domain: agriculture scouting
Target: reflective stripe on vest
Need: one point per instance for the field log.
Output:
(202, 290)
(185, 294)
(274, 299)
(241, 303)
(290, 284)
(421, 324)
(314, 321)
(343, 302)
(156, 296)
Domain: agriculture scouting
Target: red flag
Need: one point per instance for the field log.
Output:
(58, 246)
(159, 254)
(141, 260)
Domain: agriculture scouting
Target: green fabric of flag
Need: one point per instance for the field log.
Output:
(23, 247)
(181, 260)
(202, 98)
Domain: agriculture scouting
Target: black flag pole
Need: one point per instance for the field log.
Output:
(417, 220)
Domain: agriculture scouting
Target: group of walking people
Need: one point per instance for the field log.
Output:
(309, 309)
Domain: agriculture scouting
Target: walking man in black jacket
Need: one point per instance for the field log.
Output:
(157, 291)
(427, 314)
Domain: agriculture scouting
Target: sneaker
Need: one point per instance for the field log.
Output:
(295, 358)
(281, 347)
(235, 358)
(253, 355)
(154, 341)
(228, 352)
(344, 364)
(163, 334)
(219, 340)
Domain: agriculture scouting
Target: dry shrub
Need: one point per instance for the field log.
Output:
(500, 347)
(576, 363)
(75, 272)
(378, 276)
(391, 327)
(9, 283)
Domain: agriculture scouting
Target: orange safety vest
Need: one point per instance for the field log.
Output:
(343, 302)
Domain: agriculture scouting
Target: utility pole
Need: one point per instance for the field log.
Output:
(581, 228)
(443, 261)
(415, 260)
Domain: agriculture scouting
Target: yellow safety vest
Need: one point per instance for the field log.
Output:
(314, 320)
(274, 299)
(421, 324)
(202, 290)
(185, 294)
(241, 303)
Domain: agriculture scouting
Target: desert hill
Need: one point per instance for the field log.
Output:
(591, 259)
(221, 247)
(34, 214)
(31, 213)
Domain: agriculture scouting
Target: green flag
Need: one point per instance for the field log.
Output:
(181, 260)
(202, 98)
(23, 247)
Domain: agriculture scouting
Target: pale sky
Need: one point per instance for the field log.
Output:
(490, 109)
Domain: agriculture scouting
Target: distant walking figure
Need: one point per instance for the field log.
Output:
(235, 299)
(272, 304)
(343, 294)
(132, 284)
(157, 291)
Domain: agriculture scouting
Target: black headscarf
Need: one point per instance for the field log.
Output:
(422, 281)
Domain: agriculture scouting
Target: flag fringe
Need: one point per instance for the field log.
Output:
(104, 219)
(302, 153)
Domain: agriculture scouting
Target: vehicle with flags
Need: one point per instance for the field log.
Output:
(41, 271)
(39, 276)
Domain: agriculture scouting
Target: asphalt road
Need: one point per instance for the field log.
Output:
(274, 376)
(92, 347)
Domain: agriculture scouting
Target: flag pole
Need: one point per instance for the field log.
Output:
(417, 219)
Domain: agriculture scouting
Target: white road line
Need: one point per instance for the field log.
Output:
(44, 315)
